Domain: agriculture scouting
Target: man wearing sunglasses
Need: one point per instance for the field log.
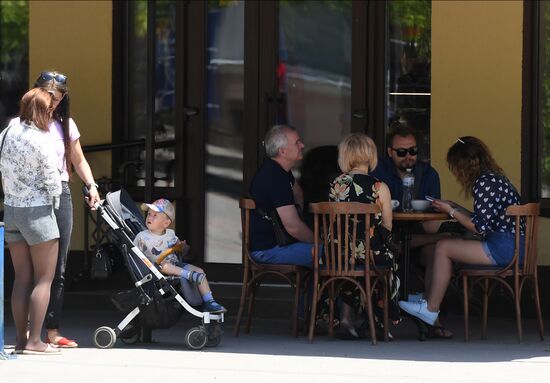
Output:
(402, 154)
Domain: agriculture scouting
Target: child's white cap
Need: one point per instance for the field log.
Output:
(161, 206)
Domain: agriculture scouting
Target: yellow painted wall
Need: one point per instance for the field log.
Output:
(476, 86)
(75, 38)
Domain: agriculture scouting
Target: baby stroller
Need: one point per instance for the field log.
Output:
(153, 303)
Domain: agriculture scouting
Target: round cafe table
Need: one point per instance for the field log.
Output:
(408, 219)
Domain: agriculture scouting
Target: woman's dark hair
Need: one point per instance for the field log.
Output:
(469, 158)
(36, 107)
(62, 113)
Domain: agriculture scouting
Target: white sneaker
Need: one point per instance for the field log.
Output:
(415, 297)
(420, 310)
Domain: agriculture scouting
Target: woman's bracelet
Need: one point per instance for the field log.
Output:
(92, 184)
(452, 213)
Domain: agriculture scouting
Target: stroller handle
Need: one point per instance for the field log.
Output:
(86, 193)
(177, 247)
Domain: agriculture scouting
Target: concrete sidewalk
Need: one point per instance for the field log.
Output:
(270, 354)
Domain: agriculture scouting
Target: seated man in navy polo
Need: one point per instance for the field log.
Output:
(274, 188)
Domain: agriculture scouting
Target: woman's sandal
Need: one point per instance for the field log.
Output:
(425, 331)
(62, 343)
(439, 332)
(347, 332)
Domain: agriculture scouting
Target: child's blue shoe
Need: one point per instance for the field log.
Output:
(213, 307)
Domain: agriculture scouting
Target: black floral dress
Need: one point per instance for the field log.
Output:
(364, 188)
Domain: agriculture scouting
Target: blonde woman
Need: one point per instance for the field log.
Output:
(357, 157)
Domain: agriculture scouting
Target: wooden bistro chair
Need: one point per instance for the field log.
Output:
(511, 276)
(333, 223)
(254, 272)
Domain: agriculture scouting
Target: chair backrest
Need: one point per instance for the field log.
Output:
(246, 205)
(336, 228)
(527, 214)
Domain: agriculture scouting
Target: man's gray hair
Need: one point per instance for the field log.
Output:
(275, 139)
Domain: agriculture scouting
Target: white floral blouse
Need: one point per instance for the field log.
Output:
(30, 176)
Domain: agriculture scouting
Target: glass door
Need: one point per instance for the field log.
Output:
(151, 79)
(224, 125)
(314, 69)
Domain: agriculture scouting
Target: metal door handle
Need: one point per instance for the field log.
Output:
(189, 112)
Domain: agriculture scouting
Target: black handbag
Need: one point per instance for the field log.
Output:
(281, 235)
(101, 264)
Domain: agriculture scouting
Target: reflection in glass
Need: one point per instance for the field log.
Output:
(14, 57)
(164, 113)
(224, 142)
(314, 69)
(408, 87)
(545, 98)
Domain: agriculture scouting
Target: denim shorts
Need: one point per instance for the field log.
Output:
(499, 247)
(33, 225)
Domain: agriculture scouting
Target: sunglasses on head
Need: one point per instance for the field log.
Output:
(402, 152)
(58, 77)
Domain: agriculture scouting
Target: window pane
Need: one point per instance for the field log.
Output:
(164, 92)
(14, 57)
(314, 69)
(545, 99)
(165, 81)
(133, 168)
(408, 86)
(225, 123)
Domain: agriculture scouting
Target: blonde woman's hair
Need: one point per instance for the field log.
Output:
(357, 149)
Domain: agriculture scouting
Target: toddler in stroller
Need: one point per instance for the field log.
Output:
(154, 303)
(158, 238)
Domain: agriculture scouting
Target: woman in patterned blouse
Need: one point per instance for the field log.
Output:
(357, 156)
(32, 186)
(471, 162)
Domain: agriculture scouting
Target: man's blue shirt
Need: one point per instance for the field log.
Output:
(425, 177)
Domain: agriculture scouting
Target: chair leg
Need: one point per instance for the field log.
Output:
(485, 308)
(241, 308)
(537, 305)
(386, 308)
(466, 309)
(240, 312)
(517, 300)
(307, 303)
(368, 301)
(331, 310)
(296, 301)
(251, 300)
(313, 312)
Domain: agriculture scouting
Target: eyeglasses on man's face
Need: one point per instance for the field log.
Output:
(402, 152)
(58, 77)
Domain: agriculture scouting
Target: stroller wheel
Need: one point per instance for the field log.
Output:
(214, 341)
(129, 335)
(196, 338)
(104, 337)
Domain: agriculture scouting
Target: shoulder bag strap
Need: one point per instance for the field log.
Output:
(4, 139)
